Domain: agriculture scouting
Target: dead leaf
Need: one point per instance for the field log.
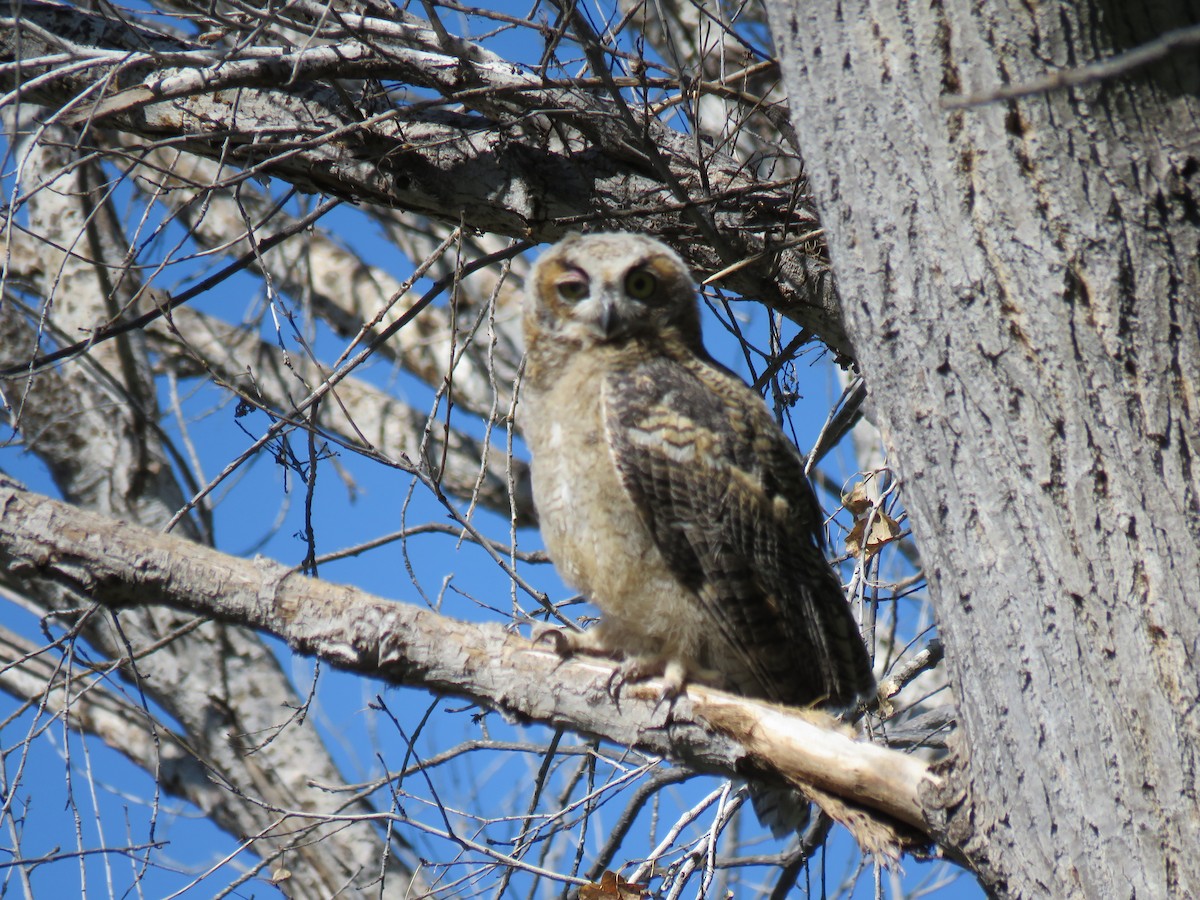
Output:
(857, 500)
(613, 887)
(884, 530)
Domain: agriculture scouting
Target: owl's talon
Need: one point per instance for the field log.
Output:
(630, 671)
(564, 646)
(675, 677)
(615, 682)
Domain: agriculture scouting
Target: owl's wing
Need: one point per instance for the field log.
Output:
(724, 494)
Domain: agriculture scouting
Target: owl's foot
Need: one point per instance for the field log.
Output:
(568, 643)
(673, 671)
(643, 668)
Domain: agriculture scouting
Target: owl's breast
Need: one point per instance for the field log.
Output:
(575, 486)
(565, 469)
(593, 530)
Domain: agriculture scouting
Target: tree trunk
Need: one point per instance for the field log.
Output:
(1020, 280)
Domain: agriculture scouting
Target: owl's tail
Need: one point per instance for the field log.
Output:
(788, 811)
(783, 810)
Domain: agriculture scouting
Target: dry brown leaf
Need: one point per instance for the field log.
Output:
(884, 530)
(613, 887)
(857, 500)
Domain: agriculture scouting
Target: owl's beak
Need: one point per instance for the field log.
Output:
(608, 319)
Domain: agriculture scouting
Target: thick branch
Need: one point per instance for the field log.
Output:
(122, 565)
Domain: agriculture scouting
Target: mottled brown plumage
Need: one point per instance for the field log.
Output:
(666, 491)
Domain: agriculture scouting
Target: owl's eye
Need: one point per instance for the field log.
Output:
(573, 289)
(640, 284)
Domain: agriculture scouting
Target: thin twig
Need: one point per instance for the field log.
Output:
(1102, 70)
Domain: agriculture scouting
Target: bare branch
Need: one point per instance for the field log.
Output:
(258, 372)
(1102, 70)
(186, 150)
(339, 288)
(532, 157)
(89, 706)
(96, 427)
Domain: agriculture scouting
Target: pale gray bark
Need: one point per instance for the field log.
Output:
(1022, 279)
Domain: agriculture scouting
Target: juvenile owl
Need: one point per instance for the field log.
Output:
(667, 493)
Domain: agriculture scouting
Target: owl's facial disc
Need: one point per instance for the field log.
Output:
(611, 303)
(597, 308)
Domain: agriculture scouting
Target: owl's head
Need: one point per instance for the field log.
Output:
(609, 288)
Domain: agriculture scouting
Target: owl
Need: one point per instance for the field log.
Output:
(667, 493)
